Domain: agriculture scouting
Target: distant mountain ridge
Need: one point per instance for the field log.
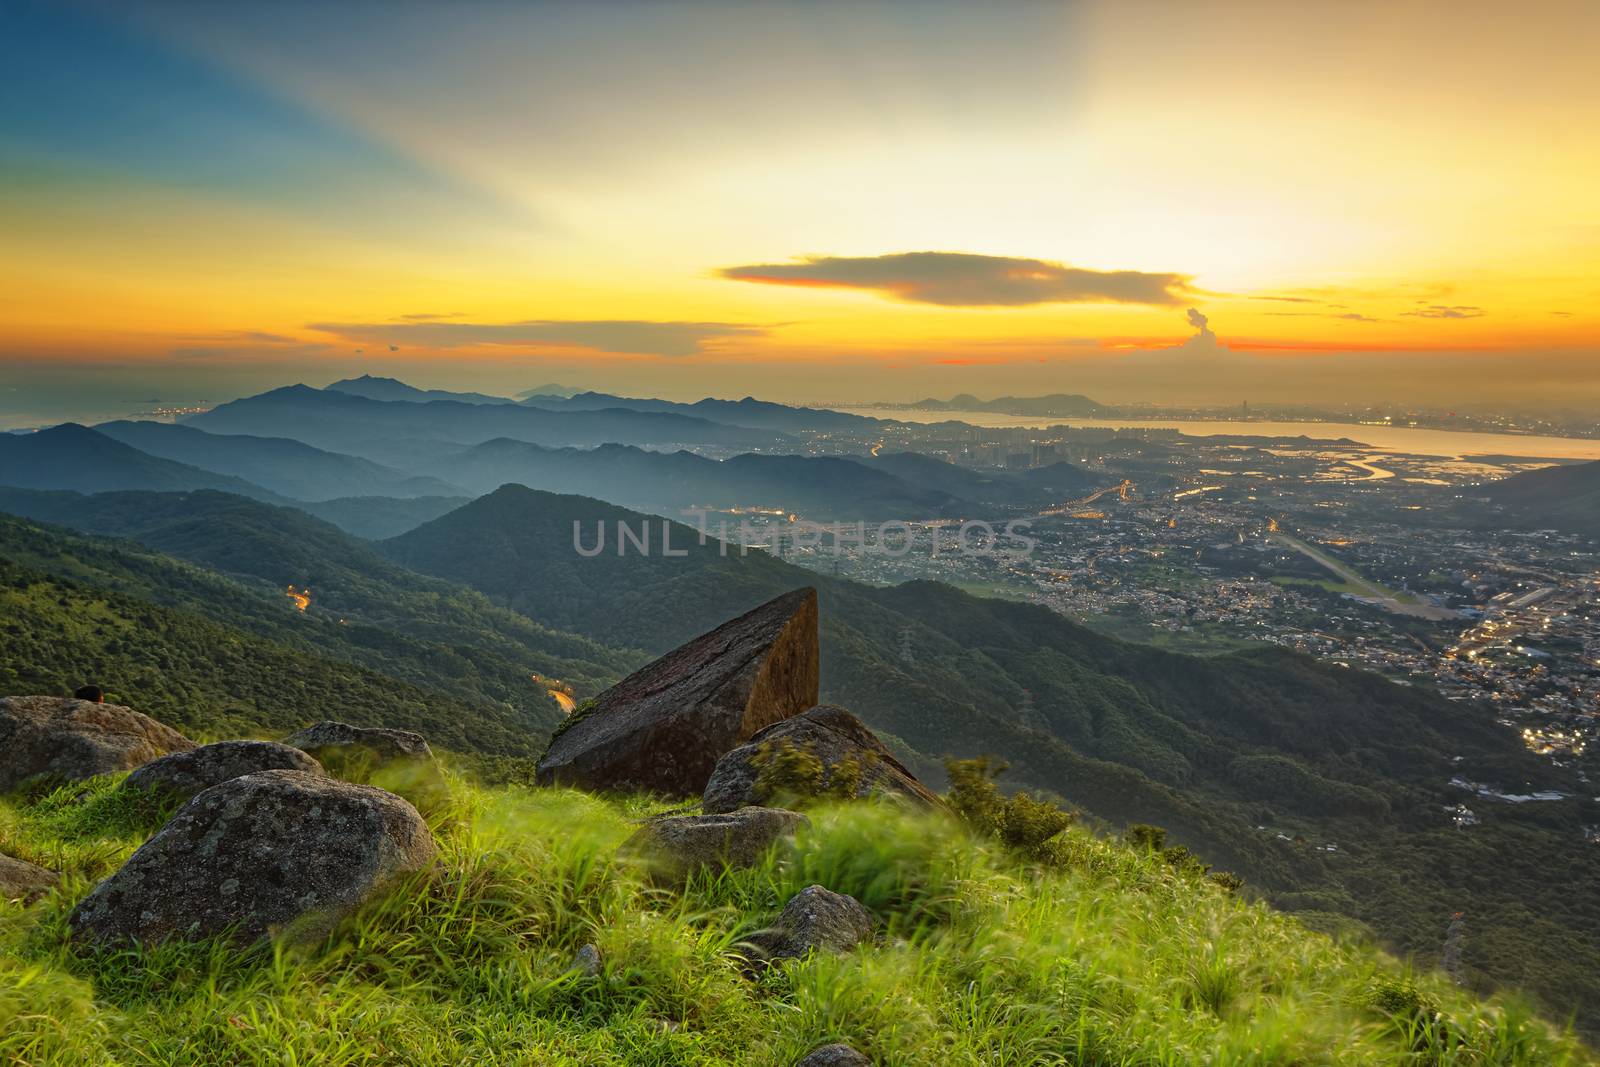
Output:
(549, 389)
(290, 468)
(823, 488)
(374, 388)
(395, 431)
(70, 456)
(818, 487)
(750, 412)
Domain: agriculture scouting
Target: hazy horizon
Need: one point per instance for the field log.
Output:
(1324, 202)
(1136, 202)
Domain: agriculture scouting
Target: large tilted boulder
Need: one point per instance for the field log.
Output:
(663, 727)
(65, 739)
(255, 855)
(834, 1056)
(676, 846)
(837, 739)
(186, 773)
(815, 920)
(24, 881)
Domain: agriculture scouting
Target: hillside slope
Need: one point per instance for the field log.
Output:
(1259, 760)
(73, 457)
(213, 679)
(1565, 497)
(400, 628)
(286, 467)
(1104, 955)
(378, 517)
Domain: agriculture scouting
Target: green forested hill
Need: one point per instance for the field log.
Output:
(214, 680)
(154, 618)
(378, 517)
(382, 605)
(1565, 496)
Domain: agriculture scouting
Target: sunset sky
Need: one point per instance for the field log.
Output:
(1171, 202)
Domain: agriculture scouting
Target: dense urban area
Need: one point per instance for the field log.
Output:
(1373, 559)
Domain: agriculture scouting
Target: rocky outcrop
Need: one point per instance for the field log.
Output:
(663, 727)
(255, 855)
(24, 881)
(676, 846)
(187, 773)
(834, 1056)
(837, 739)
(64, 739)
(373, 745)
(398, 760)
(815, 919)
(587, 962)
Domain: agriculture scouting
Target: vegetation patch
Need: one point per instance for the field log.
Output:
(1009, 937)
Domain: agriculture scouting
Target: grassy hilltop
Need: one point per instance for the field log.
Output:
(1090, 952)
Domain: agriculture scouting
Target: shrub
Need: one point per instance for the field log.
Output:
(1153, 839)
(1145, 837)
(1021, 822)
(787, 774)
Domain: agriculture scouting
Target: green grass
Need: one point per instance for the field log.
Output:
(996, 588)
(1110, 956)
(1327, 584)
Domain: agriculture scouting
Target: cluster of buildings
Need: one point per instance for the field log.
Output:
(1333, 550)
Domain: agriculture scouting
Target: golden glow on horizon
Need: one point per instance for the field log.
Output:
(1398, 181)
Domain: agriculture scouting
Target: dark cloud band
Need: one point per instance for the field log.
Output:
(625, 336)
(964, 279)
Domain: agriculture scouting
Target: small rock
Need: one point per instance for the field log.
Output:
(68, 739)
(677, 845)
(835, 737)
(340, 738)
(586, 964)
(662, 728)
(834, 1056)
(816, 919)
(398, 760)
(187, 773)
(24, 881)
(255, 854)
